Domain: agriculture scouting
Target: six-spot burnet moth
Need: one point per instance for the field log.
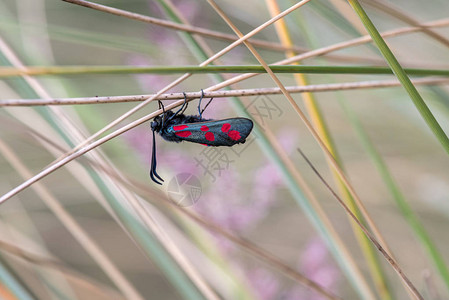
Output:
(177, 127)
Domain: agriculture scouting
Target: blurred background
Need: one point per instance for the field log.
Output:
(99, 228)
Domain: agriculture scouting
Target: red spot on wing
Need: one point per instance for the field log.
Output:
(204, 128)
(179, 127)
(225, 127)
(209, 136)
(234, 135)
(183, 133)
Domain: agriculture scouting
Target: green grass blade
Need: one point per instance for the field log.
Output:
(399, 198)
(370, 253)
(6, 72)
(402, 76)
(13, 283)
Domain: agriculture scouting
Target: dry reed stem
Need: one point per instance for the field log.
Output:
(223, 94)
(70, 274)
(72, 226)
(335, 47)
(394, 11)
(210, 33)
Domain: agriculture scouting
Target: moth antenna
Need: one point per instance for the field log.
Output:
(153, 172)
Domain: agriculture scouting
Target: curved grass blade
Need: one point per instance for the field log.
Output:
(368, 249)
(402, 76)
(399, 198)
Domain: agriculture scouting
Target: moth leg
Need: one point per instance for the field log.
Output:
(163, 112)
(183, 107)
(153, 172)
(199, 104)
(185, 104)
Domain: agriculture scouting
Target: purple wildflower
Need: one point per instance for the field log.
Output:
(315, 265)
(265, 285)
(268, 178)
(148, 82)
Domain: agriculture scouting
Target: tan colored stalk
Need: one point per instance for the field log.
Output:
(223, 93)
(318, 121)
(207, 32)
(72, 226)
(394, 11)
(384, 248)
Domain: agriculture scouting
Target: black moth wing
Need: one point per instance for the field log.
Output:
(227, 132)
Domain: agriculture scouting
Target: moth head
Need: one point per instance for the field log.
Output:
(162, 121)
(156, 125)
